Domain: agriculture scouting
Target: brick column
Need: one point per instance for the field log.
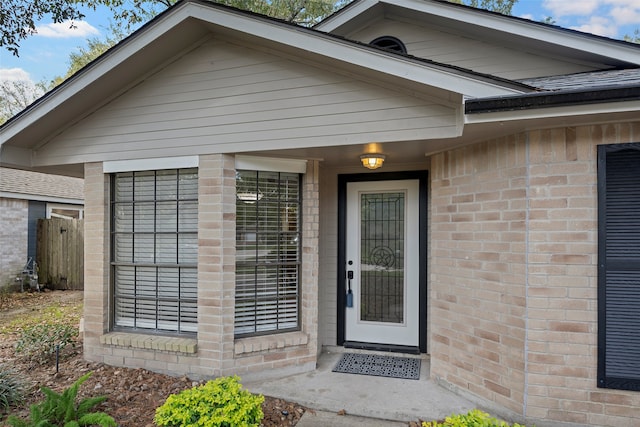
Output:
(310, 260)
(96, 261)
(216, 263)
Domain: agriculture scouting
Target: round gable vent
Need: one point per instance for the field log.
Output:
(389, 43)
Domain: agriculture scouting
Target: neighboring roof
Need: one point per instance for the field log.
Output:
(29, 185)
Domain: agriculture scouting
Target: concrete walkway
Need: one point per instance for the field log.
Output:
(381, 401)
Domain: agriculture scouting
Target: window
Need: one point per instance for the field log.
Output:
(65, 211)
(154, 236)
(267, 252)
(619, 266)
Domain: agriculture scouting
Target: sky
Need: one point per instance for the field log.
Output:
(45, 55)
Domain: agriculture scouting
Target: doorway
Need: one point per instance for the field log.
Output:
(382, 261)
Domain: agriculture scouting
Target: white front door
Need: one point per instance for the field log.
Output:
(383, 253)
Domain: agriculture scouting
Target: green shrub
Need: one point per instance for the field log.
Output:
(11, 388)
(38, 342)
(473, 418)
(61, 409)
(218, 403)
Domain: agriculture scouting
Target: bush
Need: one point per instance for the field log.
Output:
(38, 342)
(474, 418)
(218, 403)
(11, 388)
(60, 409)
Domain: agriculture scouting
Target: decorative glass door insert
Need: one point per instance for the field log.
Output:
(382, 241)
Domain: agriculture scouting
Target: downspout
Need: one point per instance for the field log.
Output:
(527, 196)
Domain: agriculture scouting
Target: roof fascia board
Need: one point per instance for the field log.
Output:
(345, 15)
(520, 27)
(553, 99)
(554, 112)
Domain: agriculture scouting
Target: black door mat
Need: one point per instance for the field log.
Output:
(381, 366)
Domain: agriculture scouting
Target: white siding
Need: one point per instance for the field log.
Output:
(224, 98)
(438, 45)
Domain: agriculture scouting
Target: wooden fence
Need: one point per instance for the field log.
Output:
(60, 253)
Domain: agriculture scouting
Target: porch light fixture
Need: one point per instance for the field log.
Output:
(372, 160)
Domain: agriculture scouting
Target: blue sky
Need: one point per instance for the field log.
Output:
(45, 55)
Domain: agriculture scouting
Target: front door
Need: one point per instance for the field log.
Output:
(382, 262)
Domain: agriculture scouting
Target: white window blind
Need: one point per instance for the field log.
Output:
(267, 252)
(155, 249)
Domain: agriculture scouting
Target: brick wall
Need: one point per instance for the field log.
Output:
(477, 269)
(513, 282)
(214, 351)
(14, 233)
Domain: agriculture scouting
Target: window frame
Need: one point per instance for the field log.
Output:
(180, 329)
(257, 264)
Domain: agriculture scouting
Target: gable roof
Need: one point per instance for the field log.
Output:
(185, 24)
(474, 22)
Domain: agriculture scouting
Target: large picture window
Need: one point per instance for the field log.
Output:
(154, 236)
(619, 266)
(267, 252)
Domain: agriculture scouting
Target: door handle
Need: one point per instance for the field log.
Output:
(349, 292)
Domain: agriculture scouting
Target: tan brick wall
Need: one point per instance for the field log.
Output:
(14, 233)
(477, 269)
(514, 274)
(215, 352)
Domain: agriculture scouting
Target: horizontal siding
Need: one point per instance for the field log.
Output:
(444, 47)
(223, 97)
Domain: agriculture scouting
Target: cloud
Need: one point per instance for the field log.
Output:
(14, 75)
(598, 25)
(67, 29)
(623, 15)
(560, 8)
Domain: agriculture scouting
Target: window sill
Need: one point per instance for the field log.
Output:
(269, 342)
(150, 342)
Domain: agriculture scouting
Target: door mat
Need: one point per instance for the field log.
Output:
(381, 366)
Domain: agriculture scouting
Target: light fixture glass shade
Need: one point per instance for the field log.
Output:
(372, 160)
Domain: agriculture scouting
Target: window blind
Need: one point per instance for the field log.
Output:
(155, 249)
(267, 252)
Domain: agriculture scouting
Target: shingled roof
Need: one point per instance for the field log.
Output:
(594, 80)
(40, 185)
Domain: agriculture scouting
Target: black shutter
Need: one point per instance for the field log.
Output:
(619, 266)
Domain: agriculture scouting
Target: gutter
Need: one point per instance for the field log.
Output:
(538, 100)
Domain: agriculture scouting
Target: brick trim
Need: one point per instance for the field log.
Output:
(150, 342)
(244, 346)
